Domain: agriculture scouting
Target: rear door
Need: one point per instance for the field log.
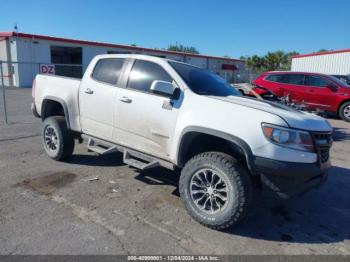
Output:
(97, 98)
(293, 85)
(319, 94)
(144, 120)
(273, 83)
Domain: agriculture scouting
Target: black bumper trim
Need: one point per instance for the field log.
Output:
(288, 178)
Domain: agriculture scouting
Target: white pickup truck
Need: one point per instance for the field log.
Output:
(159, 112)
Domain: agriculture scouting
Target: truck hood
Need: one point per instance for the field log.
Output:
(294, 118)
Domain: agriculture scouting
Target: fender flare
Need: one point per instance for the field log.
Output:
(61, 102)
(186, 138)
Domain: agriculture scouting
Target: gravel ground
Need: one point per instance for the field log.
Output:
(50, 207)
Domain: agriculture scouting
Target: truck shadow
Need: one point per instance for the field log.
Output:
(319, 216)
(113, 159)
(341, 134)
(159, 177)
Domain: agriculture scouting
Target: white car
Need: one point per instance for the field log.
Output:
(166, 113)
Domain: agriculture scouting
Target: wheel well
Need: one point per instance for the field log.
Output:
(195, 143)
(342, 103)
(52, 108)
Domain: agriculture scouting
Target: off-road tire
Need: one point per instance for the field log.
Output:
(342, 110)
(65, 139)
(239, 184)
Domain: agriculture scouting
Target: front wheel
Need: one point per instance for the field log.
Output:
(344, 112)
(58, 140)
(216, 190)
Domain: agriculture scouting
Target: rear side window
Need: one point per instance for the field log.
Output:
(108, 70)
(143, 73)
(293, 79)
(316, 81)
(274, 78)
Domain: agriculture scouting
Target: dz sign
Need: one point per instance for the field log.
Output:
(47, 69)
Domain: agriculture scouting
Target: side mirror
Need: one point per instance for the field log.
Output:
(332, 87)
(162, 87)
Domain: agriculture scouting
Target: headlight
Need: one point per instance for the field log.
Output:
(295, 139)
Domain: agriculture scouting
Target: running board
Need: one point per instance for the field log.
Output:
(100, 147)
(139, 160)
(130, 157)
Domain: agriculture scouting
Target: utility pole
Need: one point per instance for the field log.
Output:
(3, 92)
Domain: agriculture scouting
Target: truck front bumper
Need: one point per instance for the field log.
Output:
(288, 178)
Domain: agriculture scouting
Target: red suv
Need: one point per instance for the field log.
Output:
(320, 91)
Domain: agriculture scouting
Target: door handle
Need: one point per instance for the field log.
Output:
(88, 91)
(125, 99)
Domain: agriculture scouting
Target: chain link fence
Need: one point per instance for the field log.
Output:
(15, 85)
(244, 77)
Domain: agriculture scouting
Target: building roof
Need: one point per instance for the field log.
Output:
(93, 43)
(323, 53)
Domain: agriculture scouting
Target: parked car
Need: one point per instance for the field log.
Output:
(344, 78)
(159, 112)
(317, 91)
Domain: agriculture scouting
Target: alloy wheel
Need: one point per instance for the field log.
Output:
(209, 191)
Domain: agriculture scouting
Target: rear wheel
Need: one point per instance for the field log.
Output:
(57, 139)
(344, 111)
(216, 190)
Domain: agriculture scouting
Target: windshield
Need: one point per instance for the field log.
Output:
(203, 82)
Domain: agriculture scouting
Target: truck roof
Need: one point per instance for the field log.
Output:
(139, 56)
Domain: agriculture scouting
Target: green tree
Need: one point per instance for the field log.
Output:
(255, 63)
(184, 49)
(278, 60)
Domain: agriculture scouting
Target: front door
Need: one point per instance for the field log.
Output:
(97, 98)
(319, 94)
(145, 121)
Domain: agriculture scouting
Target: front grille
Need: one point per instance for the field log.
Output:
(323, 142)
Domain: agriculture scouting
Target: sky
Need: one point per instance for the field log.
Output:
(217, 27)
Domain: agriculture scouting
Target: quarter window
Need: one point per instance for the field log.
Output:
(108, 70)
(316, 81)
(144, 73)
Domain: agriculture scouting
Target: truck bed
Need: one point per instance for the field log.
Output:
(63, 89)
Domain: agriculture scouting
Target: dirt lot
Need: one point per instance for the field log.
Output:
(48, 207)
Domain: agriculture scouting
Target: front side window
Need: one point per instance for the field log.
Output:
(108, 70)
(203, 82)
(143, 73)
(316, 81)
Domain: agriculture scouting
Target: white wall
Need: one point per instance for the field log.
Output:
(30, 53)
(3, 50)
(3, 57)
(332, 64)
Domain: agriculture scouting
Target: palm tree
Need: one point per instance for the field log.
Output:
(278, 60)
